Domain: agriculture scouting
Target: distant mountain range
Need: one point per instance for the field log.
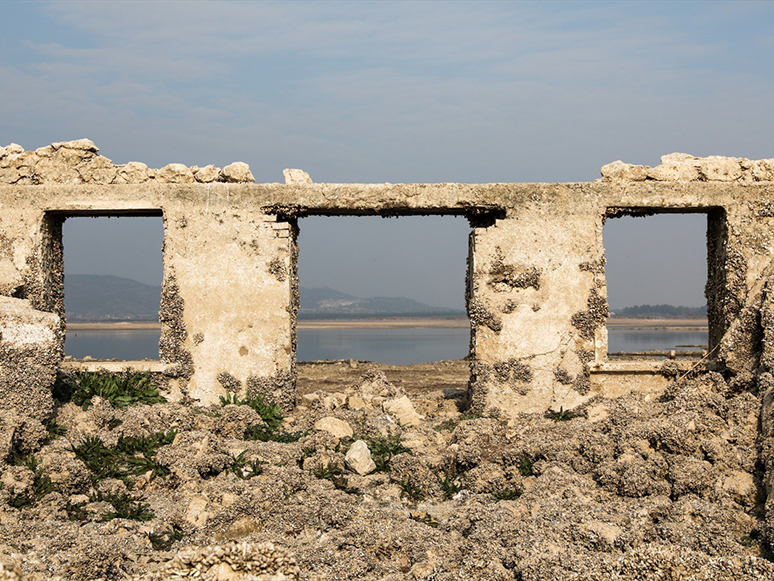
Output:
(324, 303)
(90, 297)
(113, 298)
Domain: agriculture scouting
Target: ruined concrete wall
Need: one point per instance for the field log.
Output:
(228, 307)
(538, 305)
(536, 286)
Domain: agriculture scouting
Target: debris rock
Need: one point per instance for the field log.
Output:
(296, 177)
(207, 174)
(133, 172)
(334, 426)
(238, 172)
(620, 171)
(359, 458)
(175, 173)
(403, 410)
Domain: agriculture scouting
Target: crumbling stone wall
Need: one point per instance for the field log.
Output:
(536, 287)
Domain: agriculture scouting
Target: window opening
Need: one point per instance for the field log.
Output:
(112, 290)
(390, 291)
(656, 275)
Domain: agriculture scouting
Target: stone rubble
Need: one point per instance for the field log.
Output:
(78, 162)
(656, 487)
(683, 167)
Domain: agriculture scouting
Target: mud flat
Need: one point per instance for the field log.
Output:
(641, 487)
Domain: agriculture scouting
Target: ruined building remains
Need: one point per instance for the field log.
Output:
(536, 290)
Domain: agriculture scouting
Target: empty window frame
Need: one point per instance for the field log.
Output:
(659, 285)
(112, 286)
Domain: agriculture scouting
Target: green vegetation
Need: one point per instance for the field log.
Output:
(748, 540)
(506, 494)
(525, 469)
(264, 434)
(121, 390)
(271, 413)
(245, 469)
(425, 519)
(130, 457)
(449, 485)
(124, 506)
(411, 491)
(336, 475)
(562, 415)
(54, 429)
(41, 485)
(383, 449)
(446, 425)
(272, 416)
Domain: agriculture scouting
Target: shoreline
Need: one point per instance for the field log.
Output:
(624, 324)
(410, 323)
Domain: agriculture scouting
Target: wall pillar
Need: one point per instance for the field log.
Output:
(538, 308)
(229, 303)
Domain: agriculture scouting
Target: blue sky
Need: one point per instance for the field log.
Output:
(395, 91)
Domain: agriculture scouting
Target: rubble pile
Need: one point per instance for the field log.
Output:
(683, 167)
(77, 162)
(372, 483)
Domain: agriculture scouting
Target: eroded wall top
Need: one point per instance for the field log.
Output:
(684, 167)
(77, 162)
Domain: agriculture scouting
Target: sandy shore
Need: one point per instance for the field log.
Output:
(657, 324)
(412, 323)
(380, 323)
(133, 326)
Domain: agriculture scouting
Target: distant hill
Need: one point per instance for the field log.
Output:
(90, 297)
(325, 303)
(661, 312)
(113, 298)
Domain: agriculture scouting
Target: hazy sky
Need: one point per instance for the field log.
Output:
(399, 92)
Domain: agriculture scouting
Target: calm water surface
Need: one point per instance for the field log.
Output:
(130, 345)
(390, 346)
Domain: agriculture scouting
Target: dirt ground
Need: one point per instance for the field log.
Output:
(414, 379)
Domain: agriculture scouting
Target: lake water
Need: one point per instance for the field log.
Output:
(390, 346)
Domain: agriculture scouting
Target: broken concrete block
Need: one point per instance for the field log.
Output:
(763, 170)
(82, 144)
(334, 426)
(52, 169)
(626, 172)
(359, 459)
(98, 170)
(296, 177)
(133, 172)
(403, 410)
(676, 167)
(11, 149)
(238, 172)
(207, 174)
(720, 169)
(175, 173)
(31, 349)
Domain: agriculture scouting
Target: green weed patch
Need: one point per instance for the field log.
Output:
(271, 412)
(121, 390)
(130, 457)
